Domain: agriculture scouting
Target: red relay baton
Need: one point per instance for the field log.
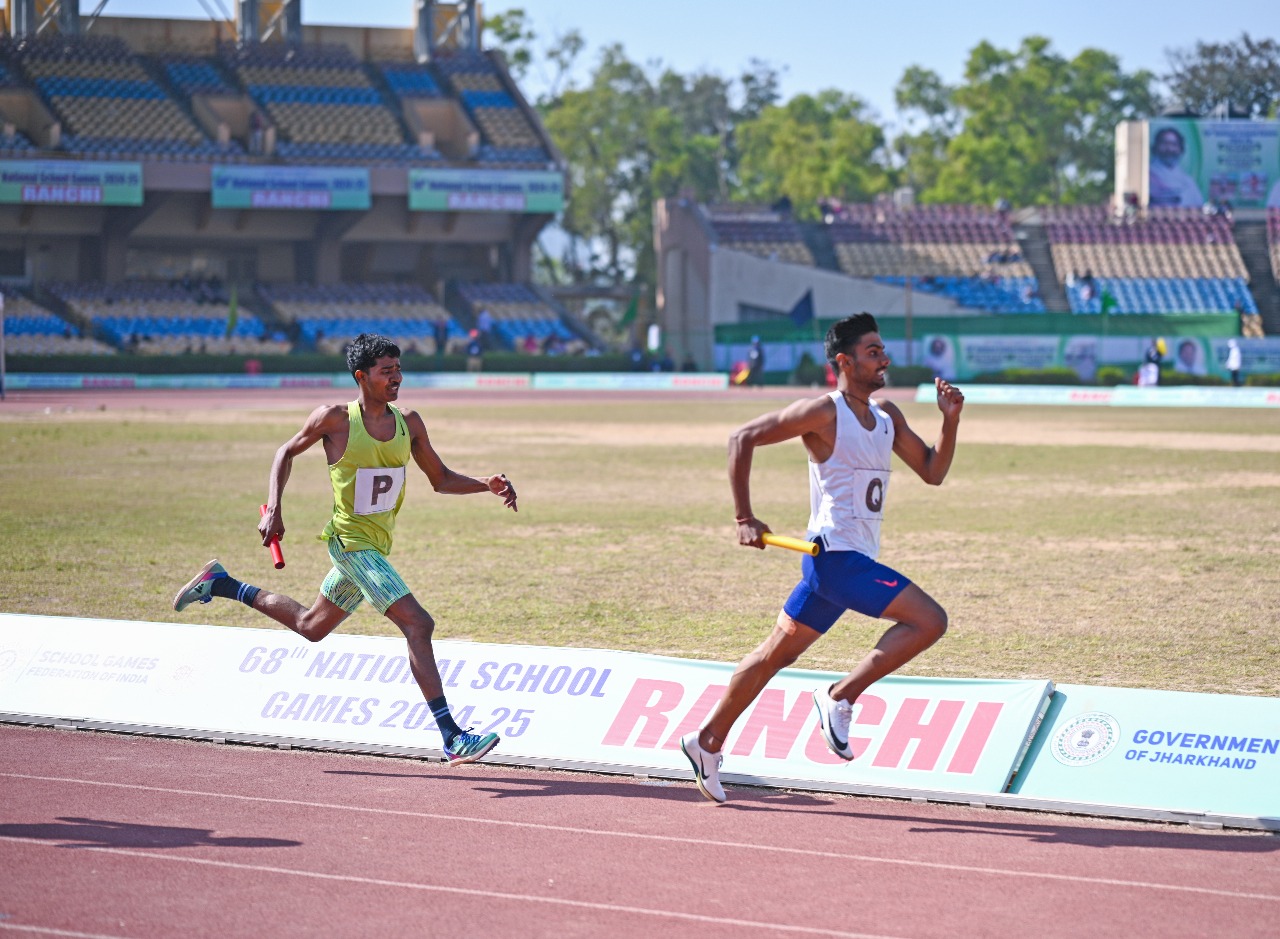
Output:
(277, 556)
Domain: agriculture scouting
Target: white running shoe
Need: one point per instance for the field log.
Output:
(833, 718)
(706, 767)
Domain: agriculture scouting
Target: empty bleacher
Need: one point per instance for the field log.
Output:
(509, 139)
(518, 313)
(331, 315)
(30, 329)
(1168, 261)
(108, 104)
(761, 231)
(324, 105)
(168, 318)
(966, 253)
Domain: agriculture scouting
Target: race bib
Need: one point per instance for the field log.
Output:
(378, 489)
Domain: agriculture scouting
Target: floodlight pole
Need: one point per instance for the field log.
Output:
(2, 348)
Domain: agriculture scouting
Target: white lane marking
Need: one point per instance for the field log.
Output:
(469, 891)
(674, 839)
(50, 931)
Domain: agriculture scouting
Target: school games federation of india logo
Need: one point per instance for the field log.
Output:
(1086, 739)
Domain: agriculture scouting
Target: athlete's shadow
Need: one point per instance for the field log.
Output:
(567, 784)
(100, 833)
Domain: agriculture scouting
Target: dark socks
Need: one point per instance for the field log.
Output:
(233, 589)
(444, 720)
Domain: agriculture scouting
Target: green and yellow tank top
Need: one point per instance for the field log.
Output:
(368, 485)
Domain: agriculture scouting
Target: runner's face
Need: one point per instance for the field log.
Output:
(866, 362)
(383, 378)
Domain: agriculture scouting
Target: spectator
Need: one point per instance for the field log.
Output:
(688, 365)
(484, 323)
(475, 351)
(440, 329)
(256, 131)
(755, 363)
(530, 344)
(1234, 362)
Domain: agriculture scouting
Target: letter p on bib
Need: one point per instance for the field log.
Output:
(378, 489)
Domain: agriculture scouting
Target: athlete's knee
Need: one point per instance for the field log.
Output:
(935, 623)
(418, 627)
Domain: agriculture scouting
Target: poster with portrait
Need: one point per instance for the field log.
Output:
(1191, 162)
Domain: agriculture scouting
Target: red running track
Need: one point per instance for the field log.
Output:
(122, 836)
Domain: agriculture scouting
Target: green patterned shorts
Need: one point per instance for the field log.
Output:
(361, 575)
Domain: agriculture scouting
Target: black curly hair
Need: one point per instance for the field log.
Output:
(845, 334)
(366, 349)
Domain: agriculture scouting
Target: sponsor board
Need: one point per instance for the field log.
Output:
(290, 187)
(1200, 754)
(484, 190)
(70, 182)
(1119, 396)
(630, 381)
(584, 708)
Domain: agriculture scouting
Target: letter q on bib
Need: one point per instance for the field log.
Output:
(378, 489)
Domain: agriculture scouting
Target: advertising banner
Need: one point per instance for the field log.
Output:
(1196, 161)
(582, 708)
(1161, 750)
(290, 187)
(448, 190)
(70, 182)
(630, 381)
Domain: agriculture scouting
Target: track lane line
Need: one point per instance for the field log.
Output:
(467, 891)
(672, 839)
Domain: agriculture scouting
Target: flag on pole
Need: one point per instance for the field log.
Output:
(633, 307)
(233, 312)
(1109, 301)
(802, 313)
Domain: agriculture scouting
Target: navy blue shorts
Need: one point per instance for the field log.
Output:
(836, 581)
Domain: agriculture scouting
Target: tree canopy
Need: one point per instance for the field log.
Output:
(1027, 124)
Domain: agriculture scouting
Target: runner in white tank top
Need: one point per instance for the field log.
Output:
(849, 439)
(847, 490)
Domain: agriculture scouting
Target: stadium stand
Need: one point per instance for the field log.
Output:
(759, 230)
(107, 102)
(324, 105)
(329, 316)
(509, 138)
(964, 252)
(522, 320)
(30, 329)
(168, 318)
(1169, 261)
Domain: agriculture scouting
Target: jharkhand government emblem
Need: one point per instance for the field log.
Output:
(1086, 739)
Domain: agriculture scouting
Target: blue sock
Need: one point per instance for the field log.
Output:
(233, 589)
(444, 720)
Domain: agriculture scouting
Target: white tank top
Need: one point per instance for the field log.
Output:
(846, 493)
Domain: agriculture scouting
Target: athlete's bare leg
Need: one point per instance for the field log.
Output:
(784, 645)
(920, 623)
(417, 626)
(313, 624)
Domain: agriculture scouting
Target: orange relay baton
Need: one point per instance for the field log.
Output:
(277, 556)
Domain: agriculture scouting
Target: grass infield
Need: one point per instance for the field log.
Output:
(1107, 546)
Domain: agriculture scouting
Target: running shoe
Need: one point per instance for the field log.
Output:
(198, 589)
(706, 767)
(467, 747)
(834, 717)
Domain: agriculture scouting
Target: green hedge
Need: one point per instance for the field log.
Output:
(300, 363)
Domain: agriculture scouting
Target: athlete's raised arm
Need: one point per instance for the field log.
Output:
(445, 480)
(929, 463)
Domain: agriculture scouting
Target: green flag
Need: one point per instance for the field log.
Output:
(1109, 301)
(233, 312)
(633, 307)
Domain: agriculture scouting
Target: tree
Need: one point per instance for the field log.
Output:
(1037, 128)
(1244, 74)
(813, 147)
(512, 33)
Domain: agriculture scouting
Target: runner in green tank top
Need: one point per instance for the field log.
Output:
(368, 443)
